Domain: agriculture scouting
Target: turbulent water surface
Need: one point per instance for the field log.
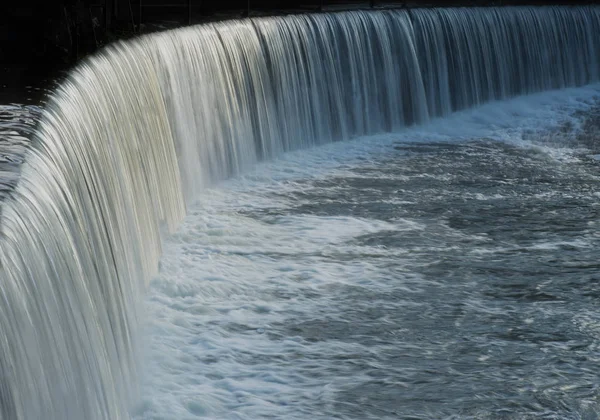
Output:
(448, 271)
(447, 268)
(17, 124)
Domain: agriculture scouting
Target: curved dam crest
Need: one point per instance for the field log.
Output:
(136, 130)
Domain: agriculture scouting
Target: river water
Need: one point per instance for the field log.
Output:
(208, 222)
(17, 123)
(446, 271)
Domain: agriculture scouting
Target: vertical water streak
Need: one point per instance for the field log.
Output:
(140, 127)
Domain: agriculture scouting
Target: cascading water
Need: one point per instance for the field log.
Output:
(137, 129)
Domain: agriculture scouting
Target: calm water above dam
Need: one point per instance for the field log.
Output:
(356, 215)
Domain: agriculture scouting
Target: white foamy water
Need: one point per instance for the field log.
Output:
(249, 315)
(135, 132)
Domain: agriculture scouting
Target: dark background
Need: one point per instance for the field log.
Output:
(40, 41)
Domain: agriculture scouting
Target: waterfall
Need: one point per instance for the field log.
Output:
(134, 131)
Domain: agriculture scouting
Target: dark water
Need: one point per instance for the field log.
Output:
(448, 278)
(345, 284)
(17, 123)
(483, 304)
(485, 301)
(503, 317)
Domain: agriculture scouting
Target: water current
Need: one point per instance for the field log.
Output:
(447, 271)
(367, 214)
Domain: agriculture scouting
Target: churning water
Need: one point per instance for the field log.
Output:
(449, 269)
(446, 270)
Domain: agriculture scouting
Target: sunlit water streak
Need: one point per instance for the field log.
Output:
(133, 134)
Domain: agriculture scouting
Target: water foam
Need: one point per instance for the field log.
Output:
(240, 267)
(135, 131)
